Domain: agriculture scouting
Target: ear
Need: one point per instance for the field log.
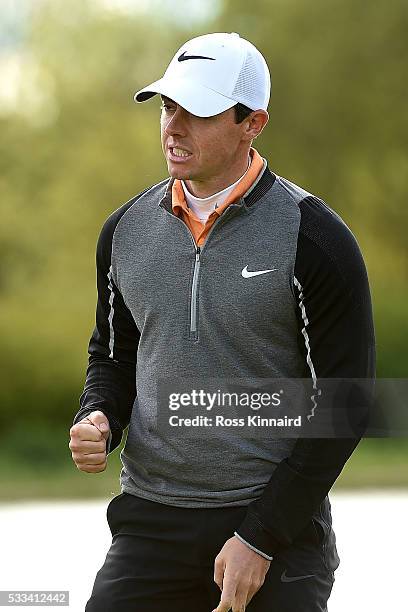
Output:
(255, 123)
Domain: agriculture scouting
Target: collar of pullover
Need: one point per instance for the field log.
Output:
(261, 185)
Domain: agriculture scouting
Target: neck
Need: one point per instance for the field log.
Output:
(207, 187)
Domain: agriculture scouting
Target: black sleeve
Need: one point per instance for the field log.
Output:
(110, 384)
(336, 335)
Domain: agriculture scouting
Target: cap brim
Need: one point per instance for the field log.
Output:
(195, 98)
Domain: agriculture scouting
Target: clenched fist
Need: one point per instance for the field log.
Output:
(88, 442)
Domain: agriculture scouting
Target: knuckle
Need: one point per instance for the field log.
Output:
(91, 469)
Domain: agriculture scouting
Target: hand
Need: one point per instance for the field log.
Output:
(239, 572)
(88, 442)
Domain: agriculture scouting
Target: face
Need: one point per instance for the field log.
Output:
(200, 149)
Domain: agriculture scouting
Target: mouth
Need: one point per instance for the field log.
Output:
(178, 154)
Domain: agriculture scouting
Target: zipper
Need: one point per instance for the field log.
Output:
(193, 303)
(197, 264)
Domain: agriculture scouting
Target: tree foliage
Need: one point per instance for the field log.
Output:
(337, 126)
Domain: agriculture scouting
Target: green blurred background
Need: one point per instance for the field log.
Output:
(74, 147)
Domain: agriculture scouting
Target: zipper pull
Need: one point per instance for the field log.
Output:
(198, 253)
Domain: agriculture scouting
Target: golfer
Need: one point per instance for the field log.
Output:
(223, 271)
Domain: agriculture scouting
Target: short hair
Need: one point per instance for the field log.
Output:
(241, 112)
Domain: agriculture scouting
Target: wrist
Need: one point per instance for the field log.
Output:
(259, 552)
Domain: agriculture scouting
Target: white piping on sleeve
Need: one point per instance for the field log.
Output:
(307, 344)
(111, 312)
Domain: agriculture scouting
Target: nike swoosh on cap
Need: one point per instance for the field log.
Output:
(183, 57)
(246, 274)
(285, 578)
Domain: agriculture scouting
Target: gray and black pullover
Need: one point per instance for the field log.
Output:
(168, 307)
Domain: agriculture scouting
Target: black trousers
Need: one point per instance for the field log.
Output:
(162, 560)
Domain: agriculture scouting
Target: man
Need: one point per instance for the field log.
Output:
(225, 270)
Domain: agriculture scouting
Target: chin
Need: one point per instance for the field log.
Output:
(178, 173)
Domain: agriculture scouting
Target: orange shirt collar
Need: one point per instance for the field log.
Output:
(179, 201)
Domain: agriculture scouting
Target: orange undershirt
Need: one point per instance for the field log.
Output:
(199, 230)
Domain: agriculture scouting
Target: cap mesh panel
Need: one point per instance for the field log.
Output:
(250, 84)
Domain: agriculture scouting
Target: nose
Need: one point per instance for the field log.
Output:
(175, 124)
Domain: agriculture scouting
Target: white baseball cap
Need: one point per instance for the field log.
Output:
(212, 73)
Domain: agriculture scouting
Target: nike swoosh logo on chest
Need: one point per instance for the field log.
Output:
(247, 274)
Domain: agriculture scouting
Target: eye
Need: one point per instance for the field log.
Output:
(166, 106)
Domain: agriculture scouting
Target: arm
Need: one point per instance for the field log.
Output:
(335, 321)
(110, 384)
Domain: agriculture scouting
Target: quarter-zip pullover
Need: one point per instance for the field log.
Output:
(162, 313)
